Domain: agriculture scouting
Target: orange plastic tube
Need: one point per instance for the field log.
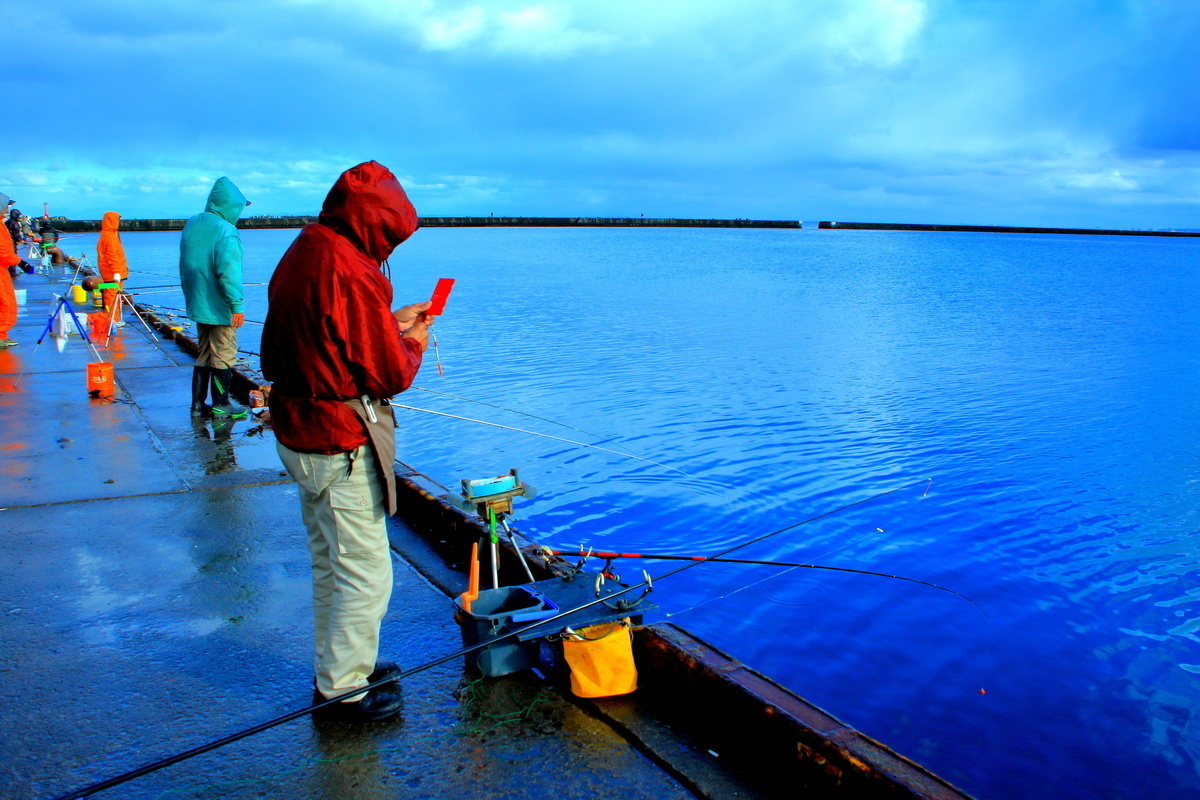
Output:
(472, 591)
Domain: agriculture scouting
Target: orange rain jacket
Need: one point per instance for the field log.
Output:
(8, 297)
(110, 254)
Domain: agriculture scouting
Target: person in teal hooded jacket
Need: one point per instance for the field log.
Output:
(210, 270)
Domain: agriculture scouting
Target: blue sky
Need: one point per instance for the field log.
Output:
(1032, 112)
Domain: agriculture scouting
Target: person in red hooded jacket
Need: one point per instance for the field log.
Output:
(335, 352)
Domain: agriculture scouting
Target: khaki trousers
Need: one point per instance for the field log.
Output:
(342, 504)
(218, 345)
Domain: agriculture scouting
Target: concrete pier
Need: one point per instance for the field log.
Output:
(156, 596)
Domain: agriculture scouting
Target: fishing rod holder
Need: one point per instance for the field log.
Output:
(492, 500)
(487, 496)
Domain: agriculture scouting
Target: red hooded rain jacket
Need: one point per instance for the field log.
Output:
(330, 334)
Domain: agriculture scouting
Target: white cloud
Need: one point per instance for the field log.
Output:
(24, 177)
(543, 31)
(454, 30)
(497, 28)
(878, 33)
(1107, 180)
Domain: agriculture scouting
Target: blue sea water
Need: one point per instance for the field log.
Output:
(1034, 395)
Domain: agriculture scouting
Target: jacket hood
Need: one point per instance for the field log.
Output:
(226, 201)
(111, 221)
(368, 206)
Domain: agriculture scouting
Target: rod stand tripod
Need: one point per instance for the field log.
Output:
(114, 314)
(62, 306)
(492, 499)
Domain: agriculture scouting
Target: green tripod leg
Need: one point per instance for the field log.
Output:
(495, 540)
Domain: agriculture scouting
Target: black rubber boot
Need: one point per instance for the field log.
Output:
(200, 392)
(222, 406)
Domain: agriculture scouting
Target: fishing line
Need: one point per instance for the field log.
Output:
(414, 472)
(548, 436)
(597, 436)
(498, 407)
(511, 411)
(647, 584)
(730, 594)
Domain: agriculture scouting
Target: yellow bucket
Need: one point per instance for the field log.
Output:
(602, 661)
(78, 295)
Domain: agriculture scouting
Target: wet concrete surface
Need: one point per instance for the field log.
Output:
(154, 596)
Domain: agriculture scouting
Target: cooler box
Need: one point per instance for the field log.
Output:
(494, 613)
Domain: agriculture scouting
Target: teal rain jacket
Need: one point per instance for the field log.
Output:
(210, 258)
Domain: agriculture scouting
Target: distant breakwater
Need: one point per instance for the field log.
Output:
(903, 226)
(90, 225)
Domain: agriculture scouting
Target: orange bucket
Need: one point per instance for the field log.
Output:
(99, 323)
(100, 379)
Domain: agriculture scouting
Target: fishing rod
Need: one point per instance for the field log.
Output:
(509, 410)
(172, 285)
(183, 311)
(610, 556)
(548, 436)
(647, 584)
(490, 405)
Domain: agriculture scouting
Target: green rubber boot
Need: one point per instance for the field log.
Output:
(222, 406)
(200, 392)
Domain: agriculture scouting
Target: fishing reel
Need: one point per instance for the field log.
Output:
(624, 604)
(575, 570)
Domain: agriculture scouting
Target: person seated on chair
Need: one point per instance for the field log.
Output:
(58, 259)
(48, 233)
(49, 238)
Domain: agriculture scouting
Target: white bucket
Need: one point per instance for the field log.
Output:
(20, 293)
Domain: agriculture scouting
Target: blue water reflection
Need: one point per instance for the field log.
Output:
(1046, 385)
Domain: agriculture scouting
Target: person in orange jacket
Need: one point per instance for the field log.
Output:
(110, 255)
(8, 297)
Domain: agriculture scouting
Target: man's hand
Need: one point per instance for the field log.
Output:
(407, 317)
(419, 331)
(238, 319)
